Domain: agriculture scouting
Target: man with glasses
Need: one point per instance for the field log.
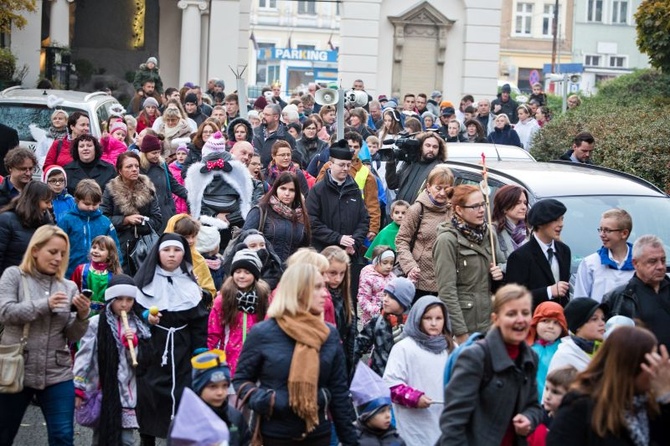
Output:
(270, 130)
(20, 164)
(543, 264)
(612, 264)
(646, 296)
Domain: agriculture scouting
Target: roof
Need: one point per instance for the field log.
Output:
(66, 95)
(494, 152)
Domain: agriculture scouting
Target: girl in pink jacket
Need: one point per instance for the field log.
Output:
(175, 169)
(372, 282)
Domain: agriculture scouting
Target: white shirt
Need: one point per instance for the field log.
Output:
(553, 264)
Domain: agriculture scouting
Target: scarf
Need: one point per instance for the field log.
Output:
(435, 203)
(247, 301)
(294, 215)
(473, 234)
(309, 333)
(171, 132)
(433, 344)
(56, 134)
(637, 421)
(517, 232)
(274, 172)
(589, 347)
(397, 324)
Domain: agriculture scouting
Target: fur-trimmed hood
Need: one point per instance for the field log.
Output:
(196, 183)
(130, 201)
(231, 129)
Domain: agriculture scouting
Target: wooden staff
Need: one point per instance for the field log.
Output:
(133, 355)
(484, 187)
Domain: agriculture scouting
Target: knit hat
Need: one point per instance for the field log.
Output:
(208, 239)
(209, 367)
(436, 94)
(150, 143)
(444, 104)
(152, 60)
(547, 310)
(506, 88)
(427, 113)
(54, 168)
(150, 102)
(580, 309)
(215, 144)
(249, 260)
(340, 151)
(119, 125)
(617, 321)
(256, 237)
(545, 211)
(196, 424)
(121, 285)
(192, 98)
(182, 148)
(261, 102)
(220, 83)
(382, 98)
(368, 392)
(402, 290)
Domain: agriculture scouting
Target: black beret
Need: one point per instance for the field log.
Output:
(545, 211)
(340, 151)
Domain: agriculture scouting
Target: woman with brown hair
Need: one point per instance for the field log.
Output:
(282, 161)
(622, 398)
(510, 208)
(309, 144)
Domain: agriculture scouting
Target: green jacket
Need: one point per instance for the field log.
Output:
(385, 237)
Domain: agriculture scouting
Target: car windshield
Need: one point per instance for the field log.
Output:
(20, 116)
(650, 216)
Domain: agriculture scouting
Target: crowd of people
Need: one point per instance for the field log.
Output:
(193, 264)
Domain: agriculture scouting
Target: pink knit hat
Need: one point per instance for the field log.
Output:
(118, 125)
(215, 144)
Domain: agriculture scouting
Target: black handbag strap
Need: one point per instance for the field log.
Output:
(416, 233)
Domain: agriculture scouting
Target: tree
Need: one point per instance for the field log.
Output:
(9, 13)
(653, 32)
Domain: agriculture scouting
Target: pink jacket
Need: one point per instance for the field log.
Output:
(111, 149)
(371, 292)
(180, 203)
(228, 339)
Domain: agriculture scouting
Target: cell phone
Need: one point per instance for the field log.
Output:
(86, 292)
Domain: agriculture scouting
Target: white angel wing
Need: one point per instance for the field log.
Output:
(38, 134)
(54, 101)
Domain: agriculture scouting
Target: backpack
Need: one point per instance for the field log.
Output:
(474, 340)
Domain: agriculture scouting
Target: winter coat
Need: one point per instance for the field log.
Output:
(230, 339)
(463, 280)
(378, 336)
(119, 201)
(286, 236)
(181, 135)
(230, 130)
(387, 236)
(194, 156)
(505, 247)
(369, 437)
(59, 155)
(567, 354)
(545, 354)
(506, 135)
(479, 413)
(263, 144)
(567, 156)
(7, 192)
(573, 425)
(336, 211)
(272, 173)
(144, 74)
(425, 229)
(62, 203)
(111, 149)
(14, 239)
(82, 227)
(99, 171)
(410, 179)
(308, 149)
(371, 292)
(508, 107)
(47, 357)
(180, 204)
(266, 359)
(165, 185)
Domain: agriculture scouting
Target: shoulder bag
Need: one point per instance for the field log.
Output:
(12, 362)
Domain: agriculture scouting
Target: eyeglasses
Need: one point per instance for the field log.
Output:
(56, 181)
(607, 231)
(25, 169)
(476, 207)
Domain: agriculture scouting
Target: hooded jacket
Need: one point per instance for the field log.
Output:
(506, 135)
(230, 130)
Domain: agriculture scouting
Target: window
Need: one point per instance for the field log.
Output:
(524, 16)
(263, 65)
(618, 61)
(268, 4)
(548, 20)
(307, 7)
(595, 11)
(591, 60)
(306, 47)
(620, 12)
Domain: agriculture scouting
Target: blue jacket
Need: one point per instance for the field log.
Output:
(62, 203)
(82, 227)
(544, 354)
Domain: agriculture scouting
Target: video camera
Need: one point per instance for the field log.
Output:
(405, 148)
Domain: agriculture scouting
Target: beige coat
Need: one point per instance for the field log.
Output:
(426, 234)
(48, 359)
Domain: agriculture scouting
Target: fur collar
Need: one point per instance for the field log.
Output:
(130, 201)
(196, 183)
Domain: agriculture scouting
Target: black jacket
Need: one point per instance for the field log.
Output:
(370, 437)
(307, 149)
(528, 266)
(14, 239)
(264, 146)
(194, 156)
(100, 171)
(9, 139)
(566, 157)
(411, 178)
(509, 108)
(266, 360)
(334, 212)
(6, 194)
(165, 185)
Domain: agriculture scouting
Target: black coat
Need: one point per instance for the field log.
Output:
(566, 157)
(528, 266)
(194, 156)
(6, 194)
(308, 150)
(410, 179)
(572, 426)
(264, 146)
(100, 171)
(334, 212)
(14, 239)
(286, 236)
(165, 185)
(370, 437)
(266, 360)
(9, 139)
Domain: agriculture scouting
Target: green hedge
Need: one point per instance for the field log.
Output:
(629, 120)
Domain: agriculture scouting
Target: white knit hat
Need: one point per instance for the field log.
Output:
(215, 144)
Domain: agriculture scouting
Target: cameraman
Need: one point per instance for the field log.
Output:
(409, 178)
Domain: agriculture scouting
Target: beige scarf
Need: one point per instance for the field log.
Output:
(309, 333)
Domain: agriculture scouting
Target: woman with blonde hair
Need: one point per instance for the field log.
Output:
(174, 130)
(292, 367)
(39, 304)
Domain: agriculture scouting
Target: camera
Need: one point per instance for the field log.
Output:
(405, 148)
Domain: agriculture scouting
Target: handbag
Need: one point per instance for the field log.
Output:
(88, 414)
(143, 244)
(12, 362)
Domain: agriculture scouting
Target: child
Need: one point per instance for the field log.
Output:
(410, 371)
(385, 329)
(271, 269)
(103, 363)
(56, 179)
(175, 167)
(538, 94)
(242, 302)
(85, 222)
(387, 235)
(114, 144)
(373, 405)
(546, 330)
(558, 384)
(148, 71)
(207, 245)
(211, 380)
(372, 282)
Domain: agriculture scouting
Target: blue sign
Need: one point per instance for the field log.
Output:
(296, 54)
(564, 68)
